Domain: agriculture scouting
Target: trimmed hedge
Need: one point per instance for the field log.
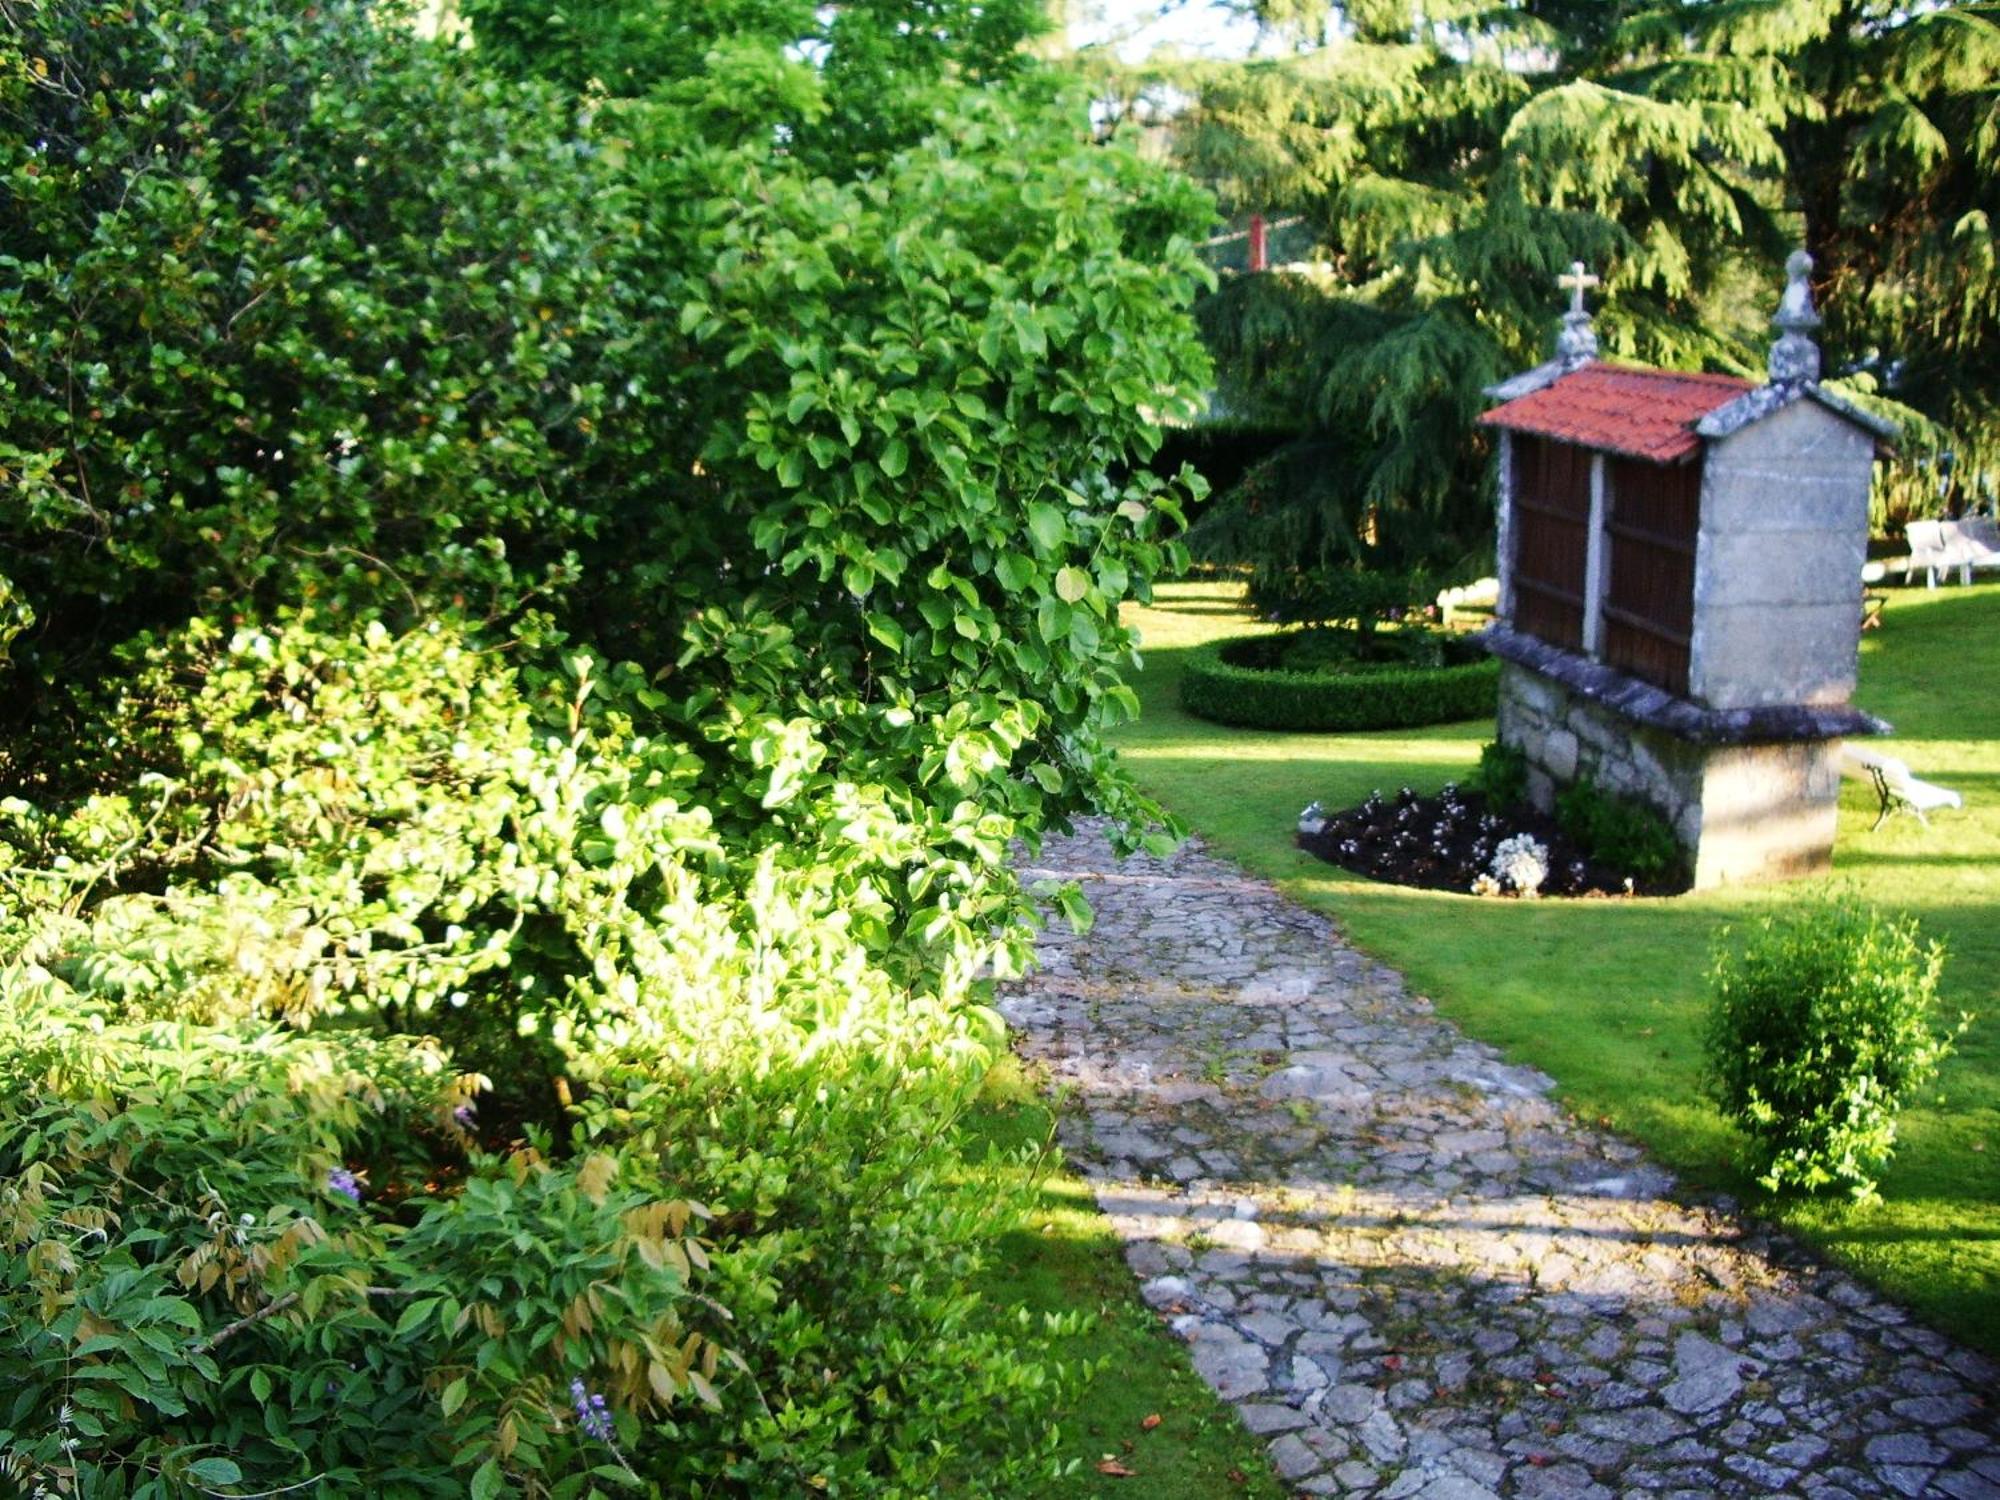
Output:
(1218, 684)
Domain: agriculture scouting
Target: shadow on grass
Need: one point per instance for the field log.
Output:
(1211, 607)
(1905, 1234)
(1850, 858)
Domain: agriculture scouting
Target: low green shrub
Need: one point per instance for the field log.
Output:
(1629, 836)
(1818, 1028)
(1219, 684)
(254, 1257)
(1502, 775)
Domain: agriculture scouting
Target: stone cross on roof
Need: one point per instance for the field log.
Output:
(1576, 345)
(1577, 281)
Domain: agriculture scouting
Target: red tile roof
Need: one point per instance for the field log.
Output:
(1641, 413)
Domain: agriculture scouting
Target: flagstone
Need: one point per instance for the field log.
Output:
(1410, 1269)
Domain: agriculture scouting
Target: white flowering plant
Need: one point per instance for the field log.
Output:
(1521, 863)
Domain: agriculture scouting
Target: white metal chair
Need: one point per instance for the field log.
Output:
(1939, 546)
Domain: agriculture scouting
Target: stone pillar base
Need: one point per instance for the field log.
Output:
(1743, 812)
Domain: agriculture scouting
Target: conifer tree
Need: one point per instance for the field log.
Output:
(1889, 116)
(1452, 158)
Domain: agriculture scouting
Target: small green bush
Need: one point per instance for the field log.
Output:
(1220, 684)
(1360, 597)
(1818, 1029)
(1627, 835)
(1502, 775)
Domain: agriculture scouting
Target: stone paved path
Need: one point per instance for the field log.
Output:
(1410, 1272)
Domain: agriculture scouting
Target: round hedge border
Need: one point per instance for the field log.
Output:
(1214, 688)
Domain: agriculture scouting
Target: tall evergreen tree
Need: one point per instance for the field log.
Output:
(1452, 158)
(1889, 116)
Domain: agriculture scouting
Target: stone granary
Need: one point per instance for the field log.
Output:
(1680, 563)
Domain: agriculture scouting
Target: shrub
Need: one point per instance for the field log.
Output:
(258, 1257)
(1628, 836)
(400, 832)
(1358, 597)
(1215, 686)
(1502, 775)
(291, 295)
(1818, 1029)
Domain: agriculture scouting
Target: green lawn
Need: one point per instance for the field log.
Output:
(1607, 996)
(1067, 1258)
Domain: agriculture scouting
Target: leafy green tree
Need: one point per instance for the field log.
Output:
(861, 476)
(294, 301)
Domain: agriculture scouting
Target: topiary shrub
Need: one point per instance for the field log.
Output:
(1618, 831)
(1818, 1028)
(1230, 683)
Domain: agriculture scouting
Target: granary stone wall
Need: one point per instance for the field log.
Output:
(1748, 812)
(1784, 535)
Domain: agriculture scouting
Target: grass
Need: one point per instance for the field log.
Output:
(1607, 997)
(1067, 1258)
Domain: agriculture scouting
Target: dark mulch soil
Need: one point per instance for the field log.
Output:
(1446, 842)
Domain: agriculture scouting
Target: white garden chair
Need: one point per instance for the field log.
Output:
(1940, 546)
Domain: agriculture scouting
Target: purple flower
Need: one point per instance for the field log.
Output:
(593, 1415)
(344, 1182)
(463, 1114)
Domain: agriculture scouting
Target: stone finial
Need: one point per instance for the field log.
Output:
(1577, 343)
(1795, 357)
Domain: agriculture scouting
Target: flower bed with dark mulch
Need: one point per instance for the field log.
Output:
(1448, 842)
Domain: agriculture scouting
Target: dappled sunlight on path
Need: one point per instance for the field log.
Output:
(1405, 1265)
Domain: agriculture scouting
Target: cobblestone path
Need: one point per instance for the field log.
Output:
(1410, 1272)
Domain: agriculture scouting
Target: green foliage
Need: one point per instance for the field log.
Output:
(903, 428)
(1502, 775)
(1886, 114)
(848, 1237)
(417, 834)
(1452, 160)
(1618, 831)
(319, 313)
(616, 558)
(846, 84)
(225, 1264)
(1224, 682)
(1819, 1028)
